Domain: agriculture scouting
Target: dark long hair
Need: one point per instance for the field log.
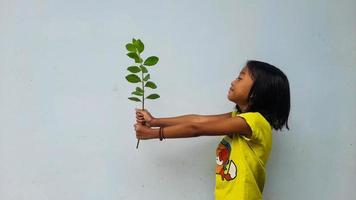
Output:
(269, 94)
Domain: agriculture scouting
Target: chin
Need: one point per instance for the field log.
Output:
(228, 97)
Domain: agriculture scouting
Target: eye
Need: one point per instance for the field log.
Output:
(239, 78)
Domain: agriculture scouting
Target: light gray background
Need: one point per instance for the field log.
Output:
(66, 125)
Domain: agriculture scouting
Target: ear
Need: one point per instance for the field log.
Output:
(251, 98)
(251, 101)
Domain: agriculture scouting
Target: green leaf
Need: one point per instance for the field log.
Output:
(134, 41)
(139, 89)
(151, 84)
(152, 60)
(152, 96)
(139, 46)
(133, 78)
(144, 69)
(134, 69)
(133, 55)
(130, 47)
(134, 99)
(137, 93)
(146, 77)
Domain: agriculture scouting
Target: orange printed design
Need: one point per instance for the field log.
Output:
(224, 166)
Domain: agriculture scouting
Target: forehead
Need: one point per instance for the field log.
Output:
(244, 71)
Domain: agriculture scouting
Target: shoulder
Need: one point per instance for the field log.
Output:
(255, 116)
(258, 124)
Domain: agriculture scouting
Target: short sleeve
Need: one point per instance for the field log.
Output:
(258, 124)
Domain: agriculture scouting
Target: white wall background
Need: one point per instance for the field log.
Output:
(66, 125)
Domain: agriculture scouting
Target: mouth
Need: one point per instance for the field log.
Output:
(230, 91)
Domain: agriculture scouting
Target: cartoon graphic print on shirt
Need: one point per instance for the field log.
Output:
(224, 166)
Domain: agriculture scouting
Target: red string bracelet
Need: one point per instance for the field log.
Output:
(160, 134)
(163, 134)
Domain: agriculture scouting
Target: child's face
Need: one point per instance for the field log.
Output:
(240, 89)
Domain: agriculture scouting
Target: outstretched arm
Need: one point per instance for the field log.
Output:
(145, 116)
(192, 118)
(227, 126)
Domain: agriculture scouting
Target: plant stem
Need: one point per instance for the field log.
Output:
(143, 96)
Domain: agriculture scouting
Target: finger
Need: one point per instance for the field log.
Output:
(137, 127)
(141, 110)
(141, 122)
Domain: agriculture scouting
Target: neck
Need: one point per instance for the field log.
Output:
(242, 108)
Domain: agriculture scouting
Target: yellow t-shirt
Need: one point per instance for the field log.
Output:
(240, 161)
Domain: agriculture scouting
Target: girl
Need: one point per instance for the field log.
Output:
(262, 98)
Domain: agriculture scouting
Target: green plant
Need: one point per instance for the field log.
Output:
(135, 50)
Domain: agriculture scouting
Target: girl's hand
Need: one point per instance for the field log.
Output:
(144, 132)
(144, 116)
